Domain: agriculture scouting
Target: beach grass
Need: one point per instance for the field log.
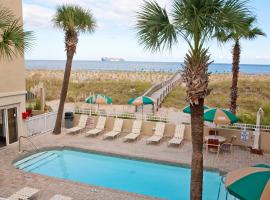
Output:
(120, 91)
(253, 93)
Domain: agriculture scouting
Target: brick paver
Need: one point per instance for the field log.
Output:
(11, 179)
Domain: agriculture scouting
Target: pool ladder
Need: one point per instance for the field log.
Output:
(27, 139)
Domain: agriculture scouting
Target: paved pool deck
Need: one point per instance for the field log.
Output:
(12, 179)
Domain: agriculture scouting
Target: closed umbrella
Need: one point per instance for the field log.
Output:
(250, 183)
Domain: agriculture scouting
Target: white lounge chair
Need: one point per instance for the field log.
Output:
(99, 127)
(25, 193)
(158, 135)
(178, 135)
(117, 128)
(60, 197)
(135, 132)
(80, 126)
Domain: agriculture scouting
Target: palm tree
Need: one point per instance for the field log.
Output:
(194, 21)
(235, 34)
(13, 39)
(73, 20)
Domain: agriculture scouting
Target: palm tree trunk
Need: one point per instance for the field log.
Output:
(197, 155)
(63, 95)
(235, 73)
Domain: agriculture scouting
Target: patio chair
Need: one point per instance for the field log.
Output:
(228, 146)
(213, 145)
(80, 126)
(60, 197)
(99, 127)
(25, 194)
(213, 132)
(117, 128)
(178, 135)
(158, 135)
(135, 132)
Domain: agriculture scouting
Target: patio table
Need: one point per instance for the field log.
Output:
(217, 137)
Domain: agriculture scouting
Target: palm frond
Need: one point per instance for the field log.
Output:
(155, 31)
(6, 17)
(74, 18)
(13, 39)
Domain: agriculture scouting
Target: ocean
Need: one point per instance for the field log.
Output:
(216, 68)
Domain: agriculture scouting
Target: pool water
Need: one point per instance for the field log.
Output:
(146, 178)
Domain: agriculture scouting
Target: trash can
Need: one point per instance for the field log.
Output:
(69, 119)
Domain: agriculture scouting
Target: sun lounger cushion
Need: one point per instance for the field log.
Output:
(111, 134)
(117, 128)
(136, 130)
(154, 138)
(80, 126)
(99, 128)
(178, 135)
(159, 132)
(93, 132)
(132, 136)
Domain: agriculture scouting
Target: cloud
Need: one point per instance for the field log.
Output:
(37, 16)
(121, 12)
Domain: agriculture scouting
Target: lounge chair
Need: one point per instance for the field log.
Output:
(135, 132)
(158, 135)
(24, 194)
(60, 197)
(99, 127)
(117, 128)
(178, 135)
(80, 126)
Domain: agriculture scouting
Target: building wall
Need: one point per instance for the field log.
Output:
(12, 74)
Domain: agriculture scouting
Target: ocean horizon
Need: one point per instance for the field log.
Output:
(140, 66)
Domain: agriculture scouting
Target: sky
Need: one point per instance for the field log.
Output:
(115, 35)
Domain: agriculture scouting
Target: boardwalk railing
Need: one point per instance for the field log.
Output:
(165, 87)
(40, 124)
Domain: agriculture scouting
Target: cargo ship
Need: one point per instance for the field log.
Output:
(108, 59)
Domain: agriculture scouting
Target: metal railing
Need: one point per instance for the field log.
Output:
(40, 124)
(152, 117)
(28, 139)
(146, 117)
(247, 127)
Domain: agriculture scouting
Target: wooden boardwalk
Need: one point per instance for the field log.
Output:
(159, 91)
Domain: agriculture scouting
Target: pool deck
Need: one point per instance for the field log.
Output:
(11, 179)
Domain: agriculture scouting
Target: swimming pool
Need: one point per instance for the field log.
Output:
(146, 178)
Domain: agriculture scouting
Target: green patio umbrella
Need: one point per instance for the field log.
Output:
(187, 109)
(141, 100)
(219, 116)
(250, 183)
(98, 99)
